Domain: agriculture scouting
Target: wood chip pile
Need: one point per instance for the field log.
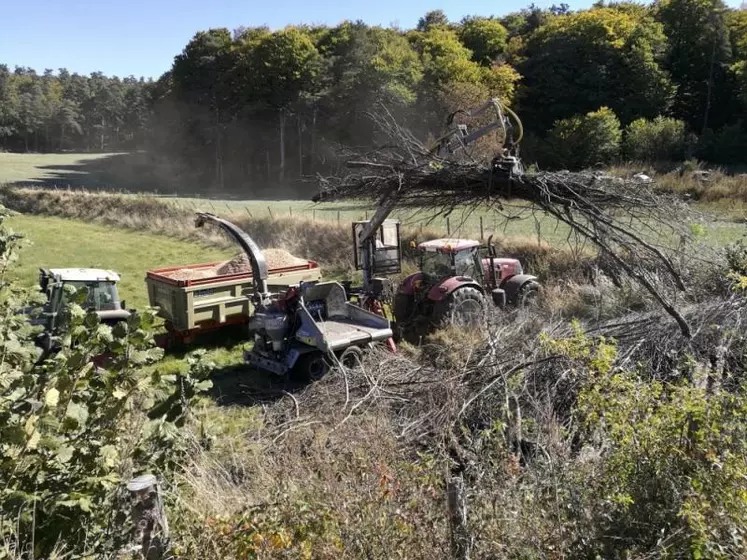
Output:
(276, 258)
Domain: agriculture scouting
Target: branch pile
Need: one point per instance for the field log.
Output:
(643, 232)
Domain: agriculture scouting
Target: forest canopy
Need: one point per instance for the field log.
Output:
(253, 106)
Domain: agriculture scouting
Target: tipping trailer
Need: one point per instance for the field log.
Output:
(194, 306)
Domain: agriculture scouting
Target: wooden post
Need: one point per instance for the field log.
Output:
(448, 226)
(150, 527)
(482, 235)
(457, 506)
(338, 216)
(290, 211)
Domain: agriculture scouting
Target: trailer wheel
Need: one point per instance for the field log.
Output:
(351, 357)
(312, 366)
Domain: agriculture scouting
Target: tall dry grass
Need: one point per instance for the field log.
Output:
(715, 188)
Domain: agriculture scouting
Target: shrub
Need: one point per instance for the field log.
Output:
(662, 139)
(736, 258)
(585, 141)
(70, 433)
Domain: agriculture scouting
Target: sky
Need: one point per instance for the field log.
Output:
(142, 37)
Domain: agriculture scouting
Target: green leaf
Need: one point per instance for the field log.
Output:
(109, 455)
(120, 330)
(77, 412)
(104, 333)
(30, 425)
(52, 398)
(204, 385)
(64, 454)
(33, 440)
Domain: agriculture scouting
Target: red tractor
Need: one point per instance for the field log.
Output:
(457, 278)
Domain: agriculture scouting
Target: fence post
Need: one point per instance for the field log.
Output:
(448, 226)
(457, 506)
(482, 235)
(150, 527)
(338, 216)
(290, 211)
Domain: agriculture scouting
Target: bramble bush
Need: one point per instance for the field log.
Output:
(72, 433)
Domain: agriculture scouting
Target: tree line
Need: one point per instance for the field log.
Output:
(259, 107)
(64, 111)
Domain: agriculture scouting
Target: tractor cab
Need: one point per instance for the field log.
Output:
(465, 258)
(102, 295)
(446, 258)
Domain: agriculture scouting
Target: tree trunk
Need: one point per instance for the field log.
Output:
(710, 88)
(313, 139)
(281, 174)
(300, 146)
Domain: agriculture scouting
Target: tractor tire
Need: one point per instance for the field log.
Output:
(463, 307)
(528, 294)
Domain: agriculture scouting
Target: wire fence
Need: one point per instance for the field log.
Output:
(473, 224)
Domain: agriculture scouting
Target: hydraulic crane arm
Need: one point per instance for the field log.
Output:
(247, 244)
(385, 207)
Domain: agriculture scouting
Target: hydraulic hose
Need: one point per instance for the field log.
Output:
(518, 123)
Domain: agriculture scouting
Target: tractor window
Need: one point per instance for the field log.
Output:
(102, 296)
(464, 263)
(437, 265)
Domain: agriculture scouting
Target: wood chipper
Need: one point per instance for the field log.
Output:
(301, 329)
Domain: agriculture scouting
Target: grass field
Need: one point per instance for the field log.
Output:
(30, 168)
(92, 171)
(57, 242)
(62, 243)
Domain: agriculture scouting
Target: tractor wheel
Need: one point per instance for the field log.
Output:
(528, 295)
(351, 357)
(463, 307)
